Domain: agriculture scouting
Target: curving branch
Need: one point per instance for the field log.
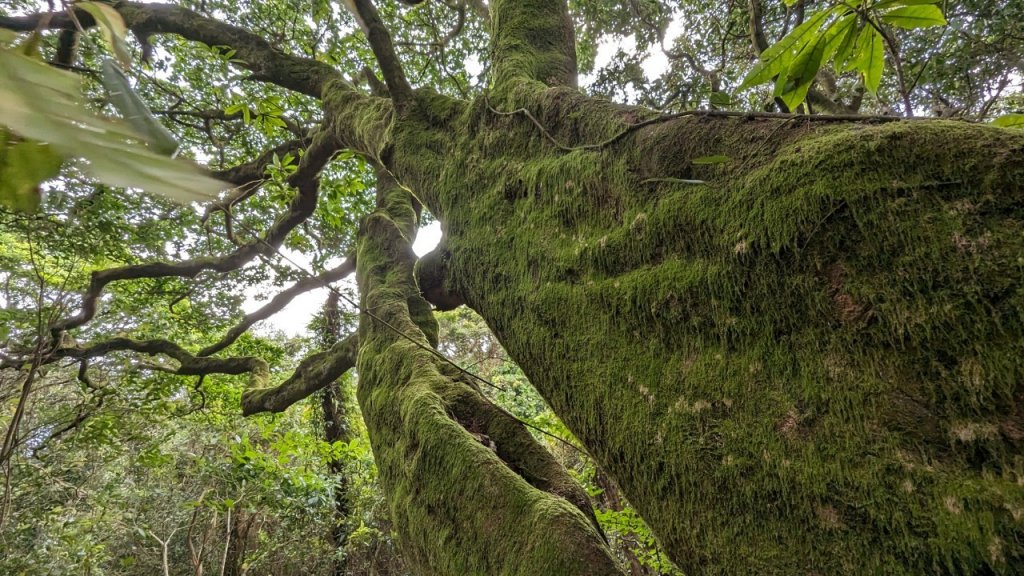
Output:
(188, 364)
(315, 372)
(306, 179)
(279, 301)
(252, 52)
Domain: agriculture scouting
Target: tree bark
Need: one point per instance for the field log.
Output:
(810, 363)
(516, 512)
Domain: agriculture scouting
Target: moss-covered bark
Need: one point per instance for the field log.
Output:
(811, 364)
(469, 489)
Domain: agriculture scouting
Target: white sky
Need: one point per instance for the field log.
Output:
(295, 317)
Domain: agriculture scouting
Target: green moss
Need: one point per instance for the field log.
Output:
(517, 512)
(811, 364)
(532, 39)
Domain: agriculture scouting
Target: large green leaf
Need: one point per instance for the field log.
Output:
(922, 16)
(847, 43)
(780, 55)
(112, 26)
(24, 165)
(870, 57)
(886, 4)
(800, 75)
(1010, 121)
(794, 84)
(135, 111)
(40, 102)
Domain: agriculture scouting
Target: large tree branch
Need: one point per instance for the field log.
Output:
(252, 52)
(255, 170)
(533, 40)
(414, 403)
(384, 50)
(313, 373)
(188, 364)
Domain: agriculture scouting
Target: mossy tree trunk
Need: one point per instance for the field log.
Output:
(470, 490)
(811, 363)
(808, 359)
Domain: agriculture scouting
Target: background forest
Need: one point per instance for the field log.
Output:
(121, 465)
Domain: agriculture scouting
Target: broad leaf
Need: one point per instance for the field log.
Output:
(779, 55)
(113, 28)
(847, 43)
(870, 57)
(24, 165)
(135, 111)
(922, 16)
(801, 74)
(1010, 121)
(886, 4)
(43, 103)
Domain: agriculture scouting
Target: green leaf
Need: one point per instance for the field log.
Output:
(886, 4)
(43, 103)
(113, 28)
(800, 75)
(870, 58)
(922, 16)
(779, 55)
(719, 99)
(23, 167)
(134, 110)
(707, 160)
(844, 50)
(1009, 121)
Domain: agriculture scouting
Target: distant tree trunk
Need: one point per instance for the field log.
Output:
(333, 403)
(238, 543)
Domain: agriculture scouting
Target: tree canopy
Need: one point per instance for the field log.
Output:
(762, 259)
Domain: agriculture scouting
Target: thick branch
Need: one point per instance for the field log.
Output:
(434, 279)
(189, 365)
(384, 50)
(314, 373)
(255, 170)
(534, 40)
(252, 52)
(428, 429)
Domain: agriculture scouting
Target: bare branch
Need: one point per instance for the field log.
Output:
(384, 50)
(279, 301)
